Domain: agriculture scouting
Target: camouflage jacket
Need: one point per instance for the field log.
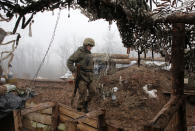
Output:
(83, 58)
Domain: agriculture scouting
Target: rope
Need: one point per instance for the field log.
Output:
(51, 41)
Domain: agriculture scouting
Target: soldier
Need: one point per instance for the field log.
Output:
(80, 63)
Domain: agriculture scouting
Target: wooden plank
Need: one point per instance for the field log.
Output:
(120, 61)
(27, 125)
(116, 61)
(55, 114)
(38, 117)
(45, 111)
(66, 113)
(75, 115)
(38, 107)
(69, 112)
(148, 59)
(84, 127)
(17, 120)
(34, 126)
(113, 56)
(64, 118)
(89, 121)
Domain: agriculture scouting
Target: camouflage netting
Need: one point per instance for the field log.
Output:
(140, 27)
(137, 11)
(190, 61)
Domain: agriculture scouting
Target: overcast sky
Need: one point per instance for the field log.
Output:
(76, 27)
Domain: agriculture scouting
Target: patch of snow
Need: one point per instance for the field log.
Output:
(168, 67)
(158, 63)
(151, 93)
(163, 65)
(68, 74)
(40, 78)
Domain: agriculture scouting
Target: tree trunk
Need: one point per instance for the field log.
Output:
(144, 53)
(139, 59)
(152, 52)
(178, 71)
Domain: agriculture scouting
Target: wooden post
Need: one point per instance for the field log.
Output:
(177, 68)
(101, 122)
(17, 120)
(55, 117)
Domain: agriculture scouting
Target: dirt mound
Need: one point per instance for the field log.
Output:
(133, 107)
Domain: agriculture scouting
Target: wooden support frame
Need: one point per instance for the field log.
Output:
(176, 105)
(161, 120)
(41, 117)
(38, 107)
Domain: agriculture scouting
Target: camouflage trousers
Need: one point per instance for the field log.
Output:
(86, 92)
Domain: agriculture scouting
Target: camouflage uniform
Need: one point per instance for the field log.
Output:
(83, 58)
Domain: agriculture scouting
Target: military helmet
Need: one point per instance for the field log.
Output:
(89, 41)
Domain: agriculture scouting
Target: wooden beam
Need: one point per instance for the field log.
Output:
(178, 17)
(70, 113)
(161, 120)
(95, 113)
(177, 68)
(148, 58)
(38, 107)
(66, 113)
(64, 118)
(84, 127)
(44, 111)
(112, 56)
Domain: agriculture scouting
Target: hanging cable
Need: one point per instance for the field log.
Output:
(43, 60)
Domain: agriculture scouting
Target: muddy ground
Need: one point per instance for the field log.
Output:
(132, 108)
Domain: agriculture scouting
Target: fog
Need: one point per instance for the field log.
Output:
(69, 35)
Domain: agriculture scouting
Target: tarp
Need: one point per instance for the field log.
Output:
(11, 101)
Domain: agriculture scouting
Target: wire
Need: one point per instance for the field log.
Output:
(51, 41)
